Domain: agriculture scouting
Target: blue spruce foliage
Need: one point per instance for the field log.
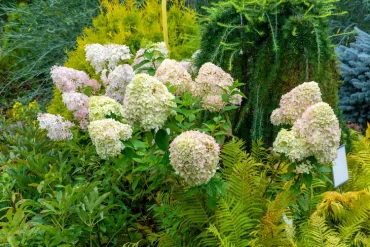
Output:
(355, 70)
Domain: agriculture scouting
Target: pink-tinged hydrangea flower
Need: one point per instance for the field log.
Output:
(211, 80)
(147, 102)
(320, 128)
(194, 157)
(117, 81)
(78, 104)
(69, 80)
(213, 103)
(58, 129)
(171, 71)
(294, 103)
(106, 56)
(107, 134)
(102, 106)
(293, 147)
(211, 83)
(159, 49)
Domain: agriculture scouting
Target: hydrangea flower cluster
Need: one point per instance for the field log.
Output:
(78, 104)
(117, 81)
(102, 106)
(101, 55)
(69, 80)
(173, 72)
(304, 167)
(294, 103)
(56, 126)
(210, 85)
(194, 156)
(315, 131)
(159, 47)
(292, 146)
(147, 102)
(106, 135)
(320, 128)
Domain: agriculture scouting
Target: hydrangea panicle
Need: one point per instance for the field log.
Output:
(58, 129)
(320, 128)
(69, 80)
(78, 104)
(211, 83)
(173, 72)
(293, 147)
(295, 102)
(106, 135)
(194, 157)
(147, 102)
(102, 106)
(117, 81)
(210, 80)
(106, 56)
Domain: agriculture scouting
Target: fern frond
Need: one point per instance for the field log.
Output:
(235, 222)
(233, 153)
(316, 233)
(258, 151)
(224, 242)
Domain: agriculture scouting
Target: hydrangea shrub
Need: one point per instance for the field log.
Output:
(315, 132)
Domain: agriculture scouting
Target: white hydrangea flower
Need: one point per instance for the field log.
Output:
(78, 104)
(210, 81)
(213, 103)
(147, 102)
(304, 167)
(106, 56)
(293, 147)
(295, 102)
(171, 71)
(102, 106)
(117, 81)
(58, 129)
(106, 135)
(194, 157)
(320, 128)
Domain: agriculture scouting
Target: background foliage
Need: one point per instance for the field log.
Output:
(33, 38)
(357, 15)
(355, 70)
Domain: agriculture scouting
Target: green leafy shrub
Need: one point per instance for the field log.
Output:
(270, 46)
(34, 38)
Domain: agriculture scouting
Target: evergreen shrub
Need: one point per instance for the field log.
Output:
(355, 70)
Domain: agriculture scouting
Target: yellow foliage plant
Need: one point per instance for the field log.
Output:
(136, 26)
(359, 163)
(340, 220)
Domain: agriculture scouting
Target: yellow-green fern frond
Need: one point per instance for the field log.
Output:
(223, 241)
(233, 153)
(317, 233)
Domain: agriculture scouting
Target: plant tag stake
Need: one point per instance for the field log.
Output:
(340, 169)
